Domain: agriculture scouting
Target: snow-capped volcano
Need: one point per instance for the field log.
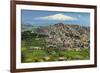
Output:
(58, 17)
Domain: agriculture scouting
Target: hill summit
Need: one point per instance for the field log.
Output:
(68, 36)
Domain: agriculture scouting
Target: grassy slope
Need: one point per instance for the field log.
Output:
(43, 55)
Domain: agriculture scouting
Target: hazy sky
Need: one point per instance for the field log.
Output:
(38, 17)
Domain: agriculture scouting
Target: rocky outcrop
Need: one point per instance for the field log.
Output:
(66, 36)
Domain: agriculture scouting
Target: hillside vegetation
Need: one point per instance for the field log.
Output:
(58, 42)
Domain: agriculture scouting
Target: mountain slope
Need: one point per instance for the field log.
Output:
(66, 35)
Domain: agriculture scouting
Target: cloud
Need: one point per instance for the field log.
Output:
(59, 16)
